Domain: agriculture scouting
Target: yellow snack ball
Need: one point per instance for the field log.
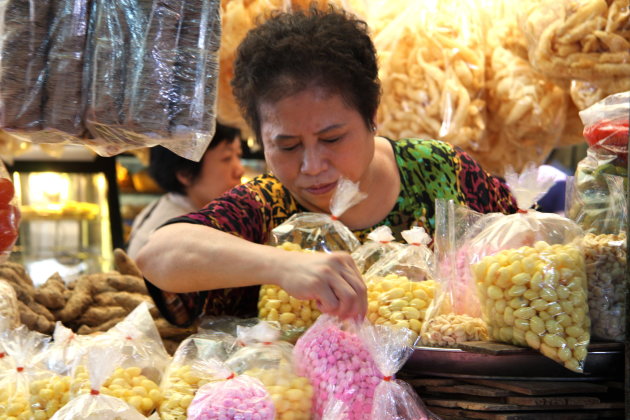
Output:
(395, 300)
(291, 394)
(14, 407)
(536, 297)
(182, 384)
(48, 395)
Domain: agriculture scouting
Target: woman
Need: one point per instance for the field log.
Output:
(308, 85)
(189, 185)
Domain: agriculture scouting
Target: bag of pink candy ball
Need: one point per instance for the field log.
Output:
(235, 398)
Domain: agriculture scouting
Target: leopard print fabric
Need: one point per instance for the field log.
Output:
(428, 170)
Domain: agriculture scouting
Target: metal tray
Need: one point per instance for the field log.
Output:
(601, 364)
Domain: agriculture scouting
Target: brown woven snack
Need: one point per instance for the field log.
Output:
(84, 329)
(78, 302)
(125, 299)
(98, 315)
(51, 293)
(35, 321)
(9, 304)
(124, 264)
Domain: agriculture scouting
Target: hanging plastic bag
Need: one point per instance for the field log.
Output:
(264, 357)
(400, 286)
(312, 232)
(393, 399)
(529, 271)
(184, 377)
(9, 214)
(454, 315)
(331, 355)
(231, 397)
(379, 244)
(91, 403)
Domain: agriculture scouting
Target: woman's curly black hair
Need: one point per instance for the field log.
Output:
(290, 52)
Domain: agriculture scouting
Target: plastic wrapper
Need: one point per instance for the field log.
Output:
(526, 110)
(579, 39)
(332, 356)
(188, 372)
(454, 315)
(61, 355)
(293, 315)
(393, 399)
(530, 276)
(9, 214)
(265, 358)
(432, 65)
(23, 56)
(92, 404)
(379, 244)
(401, 286)
(9, 311)
(16, 400)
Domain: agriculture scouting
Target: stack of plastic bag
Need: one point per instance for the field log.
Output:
(379, 244)
(308, 232)
(401, 286)
(530, 276)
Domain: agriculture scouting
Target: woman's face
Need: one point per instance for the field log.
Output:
(221, 169)
(312, 139)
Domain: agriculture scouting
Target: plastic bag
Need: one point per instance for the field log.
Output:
(432, 64)
(401, 286)
(271, 361)
(379, 244)
(606, 126)
(585, 94)
(454, 315)
(18, 382)
(91, 403)
(9, 311)
(184, 377)
(332, 356)
(9, 214)
(529, 271)
(393, 399)
(578, 39)
(64, 351)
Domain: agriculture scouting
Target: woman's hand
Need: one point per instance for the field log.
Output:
(333, 280)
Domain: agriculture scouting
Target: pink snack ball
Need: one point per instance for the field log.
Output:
(338, 365)
(240, 398)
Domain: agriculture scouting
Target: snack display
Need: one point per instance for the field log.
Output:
(579, 39)
(605, 259)
(432, 74)
(331, 355)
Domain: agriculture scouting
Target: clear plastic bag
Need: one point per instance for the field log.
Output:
(401, 286)
(454, 315)
(332, 356)
(271, 361)
(432, 64)
(91, 404)
(379, 244)
(9, 214)
(393, 398)
(189, 371)
(9, 311)
(530, 276)
(64, 351)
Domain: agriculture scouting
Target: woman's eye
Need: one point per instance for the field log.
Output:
(333, 140)
(289, 148)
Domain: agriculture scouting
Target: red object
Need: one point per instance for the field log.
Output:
(9, 219)
(7, 191)
(94, 392)
(608, 132)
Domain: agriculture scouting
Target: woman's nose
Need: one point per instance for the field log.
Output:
(239, 169)
(312, 162)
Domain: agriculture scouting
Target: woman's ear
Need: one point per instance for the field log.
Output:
(183, 178)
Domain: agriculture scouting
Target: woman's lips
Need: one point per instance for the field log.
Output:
(321, 189)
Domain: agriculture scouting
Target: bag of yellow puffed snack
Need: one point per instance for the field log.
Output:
(92, 403)
(401, 285)
(187, 371)
(454, 315)
(308, 232)
(530, 276)
(379, 244)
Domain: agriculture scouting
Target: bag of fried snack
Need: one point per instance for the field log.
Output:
(454, 315)
(379, 244)
(400, 286)
(308, 232)
(23, 394)
(92, 402)
(578, 39)
(263, 356)
(141, 366)
(530, 276)
(184, 377)
(431, 61)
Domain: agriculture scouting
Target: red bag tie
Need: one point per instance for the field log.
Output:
(334, 218)
(522, 211)
(20, 368)
(94, 392)
(2, 354)
(387, 378)
(232, 376)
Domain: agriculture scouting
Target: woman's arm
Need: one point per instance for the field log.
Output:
(184, 257)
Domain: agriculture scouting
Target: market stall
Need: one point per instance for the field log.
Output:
(480, 316)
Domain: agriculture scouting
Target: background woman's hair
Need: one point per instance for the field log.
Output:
(164, 164)
(293, 51)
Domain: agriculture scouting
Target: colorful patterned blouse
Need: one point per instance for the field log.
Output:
(429, 169)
